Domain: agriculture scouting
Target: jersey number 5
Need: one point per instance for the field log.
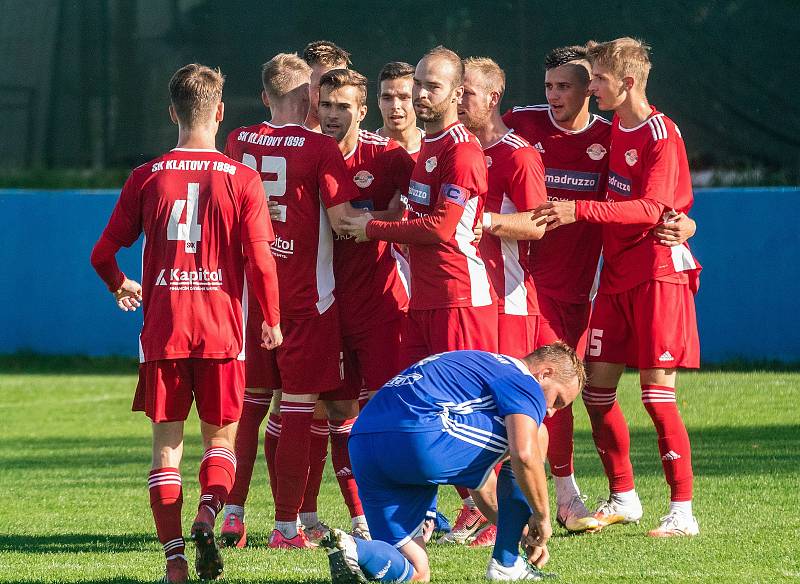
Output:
(273, 188)
(190, 231)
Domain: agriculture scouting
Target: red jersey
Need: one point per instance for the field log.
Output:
(197, 208)
(445, 199)
(564, 262)
(368, 285)
(647, 162)
(516, 184)
(304, 172)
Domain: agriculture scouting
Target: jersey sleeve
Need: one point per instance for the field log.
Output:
(335, 185)
(465, 169)
(402, 167)
(256, 224)
(526, 184)
(518, 394)
(660, 171)
(125, 223)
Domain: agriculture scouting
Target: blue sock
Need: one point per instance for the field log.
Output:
(382, 562)
(513, 513)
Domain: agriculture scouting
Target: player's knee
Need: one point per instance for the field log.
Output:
(258, 390)
(341, 409)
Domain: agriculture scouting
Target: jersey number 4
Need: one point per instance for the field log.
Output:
(273, 188)
(190, 231)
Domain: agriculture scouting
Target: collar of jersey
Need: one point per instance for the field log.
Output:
(271, 125)
(500, 139)
(442, 133)
(589, 124)
(653, 114)
(195, 150)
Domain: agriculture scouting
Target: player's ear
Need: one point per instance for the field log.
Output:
(494, 99)
(459, 93)
(264, 98)
(362, 113)
(628, 83)
(220, 113)
(172, 115)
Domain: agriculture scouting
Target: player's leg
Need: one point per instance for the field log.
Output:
(676, 344)
(310, 364)
(164, 393)
(313, 526)
(218, 386)
(610, 332)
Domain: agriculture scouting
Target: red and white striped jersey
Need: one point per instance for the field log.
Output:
(305, 173)
(516, 183)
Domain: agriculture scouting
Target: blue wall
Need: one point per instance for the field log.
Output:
(52, 301)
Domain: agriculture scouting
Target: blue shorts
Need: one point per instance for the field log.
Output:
(398, 474)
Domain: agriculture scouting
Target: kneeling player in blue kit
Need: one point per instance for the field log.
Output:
(449, 420)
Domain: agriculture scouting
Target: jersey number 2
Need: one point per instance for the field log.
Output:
(273, 188)
(190, 231)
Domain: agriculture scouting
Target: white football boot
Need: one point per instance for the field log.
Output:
(676, 525)
(575, 517)
(521, 570)
(613, 511)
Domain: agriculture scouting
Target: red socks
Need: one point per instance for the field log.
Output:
(317, 455)
(611, 436)
(256, 406)
(292, 458)
(166, 500)
(271, 436)
(340, 456)
(560, 446)
(673, 440)
(463, 492)
(217, 471)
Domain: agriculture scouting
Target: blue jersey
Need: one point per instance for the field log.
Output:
(464, 393)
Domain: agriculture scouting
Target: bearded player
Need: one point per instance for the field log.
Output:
(516, 186)
(309, 188)
(371, 296)
(644, 313)
(202, 214)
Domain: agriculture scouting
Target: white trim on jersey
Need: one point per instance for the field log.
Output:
(521, 366)
(403, 269)
(682, 259)
(353, 151)
(472, 435)
(526, 108)
(324, 275)
(372, 138)
(245, 313)
(657, 128)
(647, 121)
(271, 125)
(141, 347)
(516, 294)
(458, 133)
(478, 278)
(511, 139)
(195, 150)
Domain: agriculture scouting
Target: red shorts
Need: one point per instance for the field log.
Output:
(519, 335)
(308, 361)
(371, 358)
(428, 332)
(651, 326)
(166, 389)
(566, 321)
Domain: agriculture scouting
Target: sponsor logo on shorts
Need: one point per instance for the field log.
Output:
(596, 151)
(403, 379)
(363, 179)
(430, 164)
(570, 180)
(419, 193)
(282, 248)
(619, 184)
(631, 157)
(192, 280)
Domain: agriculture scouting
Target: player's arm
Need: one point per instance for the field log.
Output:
(395, 211)
(262, 272)
(401, 165)
(438, 227)
(336, 189)
(514, 225)
(526, 461)
(486, 498)
(123, 230)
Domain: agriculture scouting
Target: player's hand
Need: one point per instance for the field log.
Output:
(477, 231)
(271, 336)
(129, 295)
(556, 213)
(539, 532)
(356, 226)
(275, 211)
(676, 229)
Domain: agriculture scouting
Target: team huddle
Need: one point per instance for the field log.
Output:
(423, 299)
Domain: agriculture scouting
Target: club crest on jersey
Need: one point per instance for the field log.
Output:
(488, 161)
(596, 151)
(631, 157)
(430, 164)
(363, 179)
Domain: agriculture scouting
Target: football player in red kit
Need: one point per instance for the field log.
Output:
(644, 314)
(309, 189)
(371, 297)
(202, 214)
(321, 56)
(395, 101)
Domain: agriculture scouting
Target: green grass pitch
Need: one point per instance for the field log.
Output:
(74, 462)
